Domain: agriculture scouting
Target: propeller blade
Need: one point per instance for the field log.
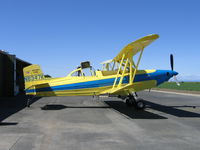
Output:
(172, 68)
(172, 61)
(176, 80)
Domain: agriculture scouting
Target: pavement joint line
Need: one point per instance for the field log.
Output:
(15, 143)
(187, 94)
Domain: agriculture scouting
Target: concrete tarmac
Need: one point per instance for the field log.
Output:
(169, 122)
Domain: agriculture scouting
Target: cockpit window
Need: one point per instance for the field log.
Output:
(77, 73)
(88, 71)
(83, 72)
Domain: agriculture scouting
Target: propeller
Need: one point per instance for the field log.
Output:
(172, 62)
(176, 80)
(172, 68)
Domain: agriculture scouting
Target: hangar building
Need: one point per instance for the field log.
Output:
(11, 74)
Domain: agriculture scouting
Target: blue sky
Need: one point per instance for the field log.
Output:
(59, 34)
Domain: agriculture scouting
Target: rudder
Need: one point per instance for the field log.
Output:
(32, 73)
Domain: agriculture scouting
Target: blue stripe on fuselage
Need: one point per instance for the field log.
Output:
(81, 85)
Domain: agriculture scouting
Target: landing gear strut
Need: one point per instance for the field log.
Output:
(29, 100)
(133, 100)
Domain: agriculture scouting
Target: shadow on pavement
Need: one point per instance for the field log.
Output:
(172, 110)
(131, 112)
(8, 123)
(59, 107)
(143, 114)
(11, 105)
(53, 107)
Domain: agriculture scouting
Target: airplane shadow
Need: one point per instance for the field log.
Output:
(59, 107)
(173, 110)
(117, 105)
(8, 123)
(144, 114)
(131, 112)
(12, 105)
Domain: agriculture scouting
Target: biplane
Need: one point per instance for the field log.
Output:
(119, 76)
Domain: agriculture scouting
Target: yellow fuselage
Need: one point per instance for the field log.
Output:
(101, 83)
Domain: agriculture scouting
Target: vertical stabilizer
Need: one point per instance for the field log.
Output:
(32, 73)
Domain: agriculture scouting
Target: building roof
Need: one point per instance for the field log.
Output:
(18, 59)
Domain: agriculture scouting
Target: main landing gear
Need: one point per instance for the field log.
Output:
(133, 100)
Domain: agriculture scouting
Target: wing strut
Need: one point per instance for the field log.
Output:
(118, 72)
(129, 68)
(136, 67)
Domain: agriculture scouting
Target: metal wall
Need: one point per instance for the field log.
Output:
(11, 75)
(1, 74)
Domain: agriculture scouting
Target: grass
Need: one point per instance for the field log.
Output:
(189, 86)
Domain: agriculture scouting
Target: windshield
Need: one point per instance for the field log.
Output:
(83, 72)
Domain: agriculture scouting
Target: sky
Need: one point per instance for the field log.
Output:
(59, 34)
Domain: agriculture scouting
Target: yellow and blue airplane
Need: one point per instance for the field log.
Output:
(118, 77)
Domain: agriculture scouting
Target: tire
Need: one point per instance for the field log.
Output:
(140, 104)
(129, 102)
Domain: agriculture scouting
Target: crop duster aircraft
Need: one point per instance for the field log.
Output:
(119, 77)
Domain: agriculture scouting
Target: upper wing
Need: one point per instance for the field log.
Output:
(133, 48)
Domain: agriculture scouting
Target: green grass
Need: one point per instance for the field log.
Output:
(189, 86)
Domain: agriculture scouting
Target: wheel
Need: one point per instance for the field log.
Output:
(129, 102)
(140, 104)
